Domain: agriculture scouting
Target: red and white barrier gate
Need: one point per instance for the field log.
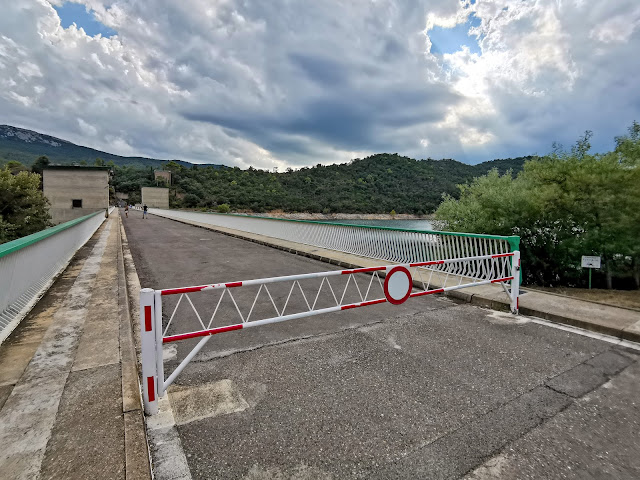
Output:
(398, 285)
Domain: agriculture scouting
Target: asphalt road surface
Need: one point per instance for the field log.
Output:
(432, 388)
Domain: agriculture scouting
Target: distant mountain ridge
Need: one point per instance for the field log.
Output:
(375, 184)
(26, 145)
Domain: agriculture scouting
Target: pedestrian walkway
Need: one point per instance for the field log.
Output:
(67, 376)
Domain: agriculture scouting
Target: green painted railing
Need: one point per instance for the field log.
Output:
(19, 243)
(513, 240)
(29, 264)
(384, 243)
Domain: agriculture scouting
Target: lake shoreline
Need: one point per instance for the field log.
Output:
(342, 216)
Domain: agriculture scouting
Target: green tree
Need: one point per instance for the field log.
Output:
(99, 162)
(23, 207)
(628, 146)
(172, 166)
(134, 198)
(190, 200)
(15, 167)
(563, 206)
(40, 164)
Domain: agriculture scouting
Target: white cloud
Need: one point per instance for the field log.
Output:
(617, 29)
(288, 84)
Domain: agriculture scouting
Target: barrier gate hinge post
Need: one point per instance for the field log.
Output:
(148, 355)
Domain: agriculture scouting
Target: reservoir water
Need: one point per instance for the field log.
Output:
(408, 224)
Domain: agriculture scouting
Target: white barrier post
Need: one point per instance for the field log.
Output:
(159, 359)
(515, 283)
(148, 328)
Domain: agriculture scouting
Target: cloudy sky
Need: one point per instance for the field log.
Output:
(290, 83)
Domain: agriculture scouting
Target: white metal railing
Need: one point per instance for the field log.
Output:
(323, 293)
(29, 265)
(388, 244)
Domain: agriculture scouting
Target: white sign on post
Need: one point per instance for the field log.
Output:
(590, 262)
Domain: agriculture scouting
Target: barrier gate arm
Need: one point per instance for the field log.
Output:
(152, 338)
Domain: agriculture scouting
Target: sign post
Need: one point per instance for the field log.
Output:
(590, 262)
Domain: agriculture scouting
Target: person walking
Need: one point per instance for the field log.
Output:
(126, 210)
(144, 211)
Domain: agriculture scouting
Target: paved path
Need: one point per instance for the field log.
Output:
(429, 389)
(61, 382)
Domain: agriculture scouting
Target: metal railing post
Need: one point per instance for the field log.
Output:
(515, 283)
(148, 355)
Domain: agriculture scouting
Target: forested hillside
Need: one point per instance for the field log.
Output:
(377, 184)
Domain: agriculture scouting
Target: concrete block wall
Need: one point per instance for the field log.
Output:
(155, 197)
(62, 186)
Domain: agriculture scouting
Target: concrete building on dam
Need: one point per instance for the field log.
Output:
(155, 197)
(162, 177)
(75, 191)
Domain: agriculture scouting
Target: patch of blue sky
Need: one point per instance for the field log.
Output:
(451, 40)
(76, 13)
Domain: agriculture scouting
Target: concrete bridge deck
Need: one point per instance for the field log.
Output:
(434, 388)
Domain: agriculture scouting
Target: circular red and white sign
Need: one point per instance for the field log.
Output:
(397, 285)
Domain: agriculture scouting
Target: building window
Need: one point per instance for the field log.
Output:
(77, 203)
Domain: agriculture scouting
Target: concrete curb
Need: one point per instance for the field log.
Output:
(137, 457)
(629, 332)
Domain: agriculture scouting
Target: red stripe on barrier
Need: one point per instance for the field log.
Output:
(233, 284)
(362, 270)
(363, 304)
(427, 292)
(173, 291)
(502, 255)
(148, 325)
(151, 388)
(497, 280)
(201, 333)
(424, 264)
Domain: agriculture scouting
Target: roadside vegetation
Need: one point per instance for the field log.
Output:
(565, 205)
(23, 207)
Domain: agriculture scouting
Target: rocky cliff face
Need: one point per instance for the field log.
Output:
(29, 136)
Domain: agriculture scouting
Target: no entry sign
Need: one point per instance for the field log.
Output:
(397, 285)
